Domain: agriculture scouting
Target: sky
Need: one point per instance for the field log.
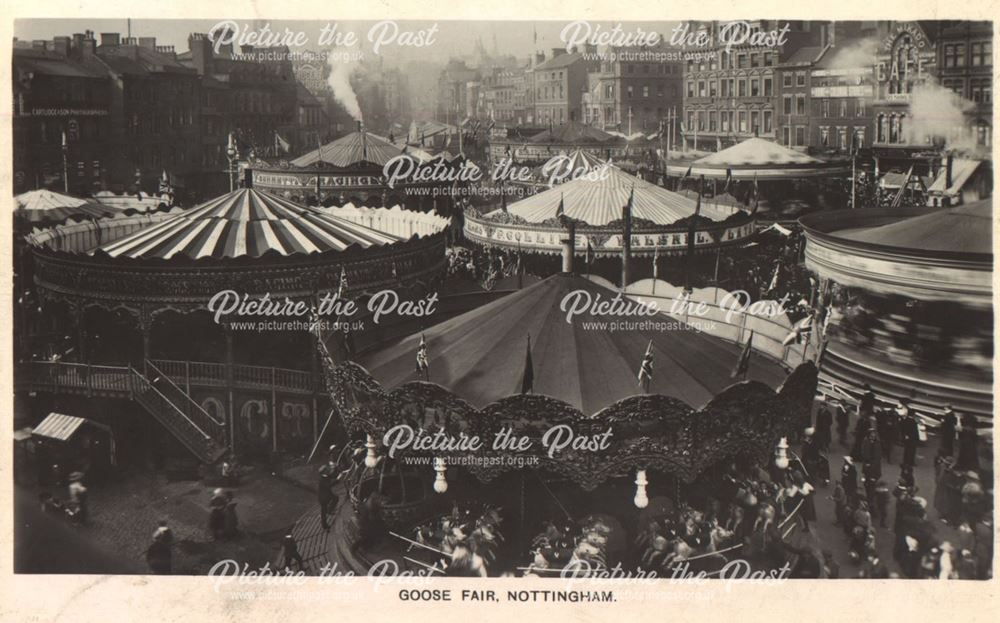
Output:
(453, 38)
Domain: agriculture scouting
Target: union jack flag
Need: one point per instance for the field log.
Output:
(646, 368)
(422, 363)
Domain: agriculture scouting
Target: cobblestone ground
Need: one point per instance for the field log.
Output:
(124, 514)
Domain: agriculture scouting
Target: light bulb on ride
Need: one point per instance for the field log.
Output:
(440, 482)
(781, 456)
(641, 500)
(371, 460)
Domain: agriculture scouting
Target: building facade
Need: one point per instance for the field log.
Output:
(634, 90)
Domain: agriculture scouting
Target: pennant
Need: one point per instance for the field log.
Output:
(656, 257)
(729, 178)
(646, 367)
(342, 283)
(774, 279)
(281, 145)
(688, 173)
(528, 377)
(743, 364)
(561, 210)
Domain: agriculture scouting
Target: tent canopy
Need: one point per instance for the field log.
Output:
(967, 228)
(43, 205)
(756, 152)
(598, 198)
(351, 150)
(480, 355)
(246, 222)
(58, 426)
(573, 132)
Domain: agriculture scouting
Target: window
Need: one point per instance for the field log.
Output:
(843, 108)
(629, 91)
(824, 136)
(768, 59)
(713, 63)
(786, 136)
(860, 134)
(983, 134)
(768, 87)
(800, 104)
(982, 53)
(713, 88)
(754, 87)
(786, 80)
(768, 122)
(701, 89)
(800, 136)
(645, 90)
(742, 86)
(741, 61)
(800, 79)
(725, 120)
(842, 138)
(859, 108)
(755, 122)
(755, 60)
(690, 88)
(743, 121)
(786, 105)
(713, 121)
(701, 120)
(826, 108)
(954, 55)
(981, 90)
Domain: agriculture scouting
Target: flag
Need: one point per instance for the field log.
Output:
(688, 173)
(774, 279)
(164, 188)
(280, 144)
(627, 235)
(693, 225)
(756, 195)
(898, 199)
(528, 378)
(744, 362)
(342, 284)
(656, 257)
(422, 364)
(646, 367)
(561, 210)
(729, 178)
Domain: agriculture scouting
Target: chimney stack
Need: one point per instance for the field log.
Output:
(147, 42)
(947, 173)
(110, 38)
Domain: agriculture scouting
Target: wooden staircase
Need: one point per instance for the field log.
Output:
(194, 427)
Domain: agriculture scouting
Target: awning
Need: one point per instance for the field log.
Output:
(59, 426)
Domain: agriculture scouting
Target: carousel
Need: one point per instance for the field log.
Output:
(764, 170)
(115, 294)
(537, 148)
(595, 203)
(351, 170)
(911, 304)
(601, 461)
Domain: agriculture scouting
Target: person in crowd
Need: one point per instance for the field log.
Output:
(840, 505)
(824, 422)
(880, 503)
(871, 455)
(217, 514)
(811, 457)
(804, 493)
(866, 404)
(909, 433)
(843, 422)
(973, 497)
(861, 428)
(231, 522)
(873, 568)
(290, 553)
(949, 426)
(324, 491)
(849, 479)
(886, 425)
(968, 442)
(78, 497)
(159, 555)
(948, 490)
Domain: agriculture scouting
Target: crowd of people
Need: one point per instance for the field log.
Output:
(862, 494)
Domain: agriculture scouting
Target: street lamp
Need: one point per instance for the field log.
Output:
(232, 154)
(371, 460)
(440, 482)
(781, 455)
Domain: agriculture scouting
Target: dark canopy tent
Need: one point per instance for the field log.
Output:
(480, 355)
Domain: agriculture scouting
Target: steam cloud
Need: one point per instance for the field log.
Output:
(858, 54)
(339, 80)
(938, 113)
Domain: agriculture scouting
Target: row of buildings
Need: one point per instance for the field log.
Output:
(834, 85)
(825, 87)
(119, 112)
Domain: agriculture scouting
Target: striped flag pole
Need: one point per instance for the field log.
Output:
(646, 368)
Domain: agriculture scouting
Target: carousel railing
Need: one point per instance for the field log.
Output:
(214, 375)
(183, 402)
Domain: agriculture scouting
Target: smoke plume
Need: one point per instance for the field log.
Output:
(938, 114)
(854, 55)
(341, 71)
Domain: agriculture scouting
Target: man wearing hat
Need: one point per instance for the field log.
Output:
(909, 432)
(849, 479)
(949, 424)
(812, 458)
(324, 492)
(78, 496)
(824, 422)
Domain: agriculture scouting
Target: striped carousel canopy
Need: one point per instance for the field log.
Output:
(756, 151)
(598, 197)
(351, 150)
(42, 205)
(246, 223)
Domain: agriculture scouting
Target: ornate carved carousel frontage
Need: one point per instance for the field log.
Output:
(146, 313)
(600, 204)
(522, 444)
(912, 305)
(351, 170)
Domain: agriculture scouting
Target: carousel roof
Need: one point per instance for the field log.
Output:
(480, 355)
(598, 199)
(967, 229)
(573, 132)
(350, 150)
(756, 152)
(246, 223)
(45, 205)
